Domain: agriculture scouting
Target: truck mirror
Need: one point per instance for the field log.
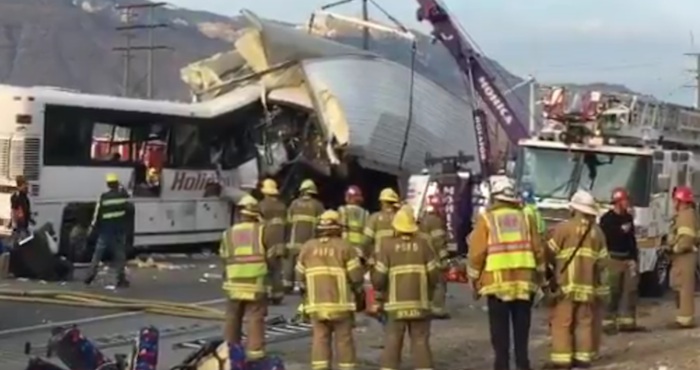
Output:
(663, 183)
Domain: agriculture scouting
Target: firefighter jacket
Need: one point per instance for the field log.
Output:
(244, 254)
(274, 215)
(330, 270)
(434, 227)
(111, 212)
(378, 228)
(506, 256)
(353, 219)
(585, 278)
(302, 217)
(683, 234)
(406, 271)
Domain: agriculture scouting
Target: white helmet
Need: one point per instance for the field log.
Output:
(503, 189)
(584, 202)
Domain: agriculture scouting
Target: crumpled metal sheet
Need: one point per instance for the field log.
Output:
(375, 98)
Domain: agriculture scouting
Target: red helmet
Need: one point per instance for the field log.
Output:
(353, 194)
(684, 194)
(619, 195)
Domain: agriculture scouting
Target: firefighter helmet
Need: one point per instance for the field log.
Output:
(329, 220)
(353, 194)
(584, 202)
(308, 186)
(388, 195)
(111, 178)
(503, 189)
(249, 206)
(619, 195)
(683, 194)
(405, 221)
(269, 187)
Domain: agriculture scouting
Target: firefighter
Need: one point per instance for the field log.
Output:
(274, 213)
(578, 252)
(618, 226)
(433, 225)
(244, 253)
(111, 223)
(530, 208)
(302, 216)
(683, 257)
(353, 219)
(330, 267)
(378, 225)
(406, 270)
(505, 264)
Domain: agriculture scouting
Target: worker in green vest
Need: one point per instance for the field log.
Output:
(245, 279)
(530, 208)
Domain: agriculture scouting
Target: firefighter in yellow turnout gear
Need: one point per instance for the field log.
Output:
(578, 252)
(302, 218)
(506, 264)
(683, 250)
(406, 270)
(433, 225)
(378, 225)
(274, 215)
(330, 274)
(244, 254)
(353, 219)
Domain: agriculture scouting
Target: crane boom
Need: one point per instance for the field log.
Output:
(472, 65)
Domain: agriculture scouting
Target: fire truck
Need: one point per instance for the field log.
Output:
(612, 140)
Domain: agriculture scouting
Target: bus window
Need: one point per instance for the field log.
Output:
(190, 147)
(67, 138)
(110, 143)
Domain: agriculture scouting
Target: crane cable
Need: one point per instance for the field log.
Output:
(409, 122)
(88, 300)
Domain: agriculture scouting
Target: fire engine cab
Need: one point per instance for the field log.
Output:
(646, 146)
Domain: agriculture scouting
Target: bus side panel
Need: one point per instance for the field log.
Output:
(213, 215)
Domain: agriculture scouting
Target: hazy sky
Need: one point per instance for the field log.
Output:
(636, 43)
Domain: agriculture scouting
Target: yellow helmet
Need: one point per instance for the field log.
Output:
(405, 221)
(269, 187)
(248, 206)
(308, 186)
(111, 177)
(329, 220)
(389, 195)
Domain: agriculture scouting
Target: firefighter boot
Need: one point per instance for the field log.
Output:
(89, 279)
(581, 365)
(554, 366)
(122, 282)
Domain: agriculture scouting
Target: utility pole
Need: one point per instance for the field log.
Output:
(696, 73)
(128, 49)
(365, 30)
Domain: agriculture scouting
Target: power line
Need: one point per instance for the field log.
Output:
(127, 29)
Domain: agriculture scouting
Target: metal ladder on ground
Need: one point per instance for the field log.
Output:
(277, 329)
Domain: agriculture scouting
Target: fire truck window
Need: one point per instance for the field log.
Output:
(67, 137)
(658, 169)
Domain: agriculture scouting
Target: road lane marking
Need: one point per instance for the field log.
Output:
(93, 319)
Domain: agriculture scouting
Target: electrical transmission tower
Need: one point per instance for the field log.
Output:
(128, 28)
(696, 75)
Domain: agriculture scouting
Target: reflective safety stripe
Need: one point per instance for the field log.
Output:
(303, 218)
(393, 303)
(531, 210)
(320, 365)
(561, 358)
(687, 231)
(583, 356)
(276, 221)
(312, 276)
(684, 320)
(509, 241)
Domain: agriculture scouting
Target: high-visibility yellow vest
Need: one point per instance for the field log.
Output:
(246, 266)
(353, 219)
(509, 241)
(531, 210)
